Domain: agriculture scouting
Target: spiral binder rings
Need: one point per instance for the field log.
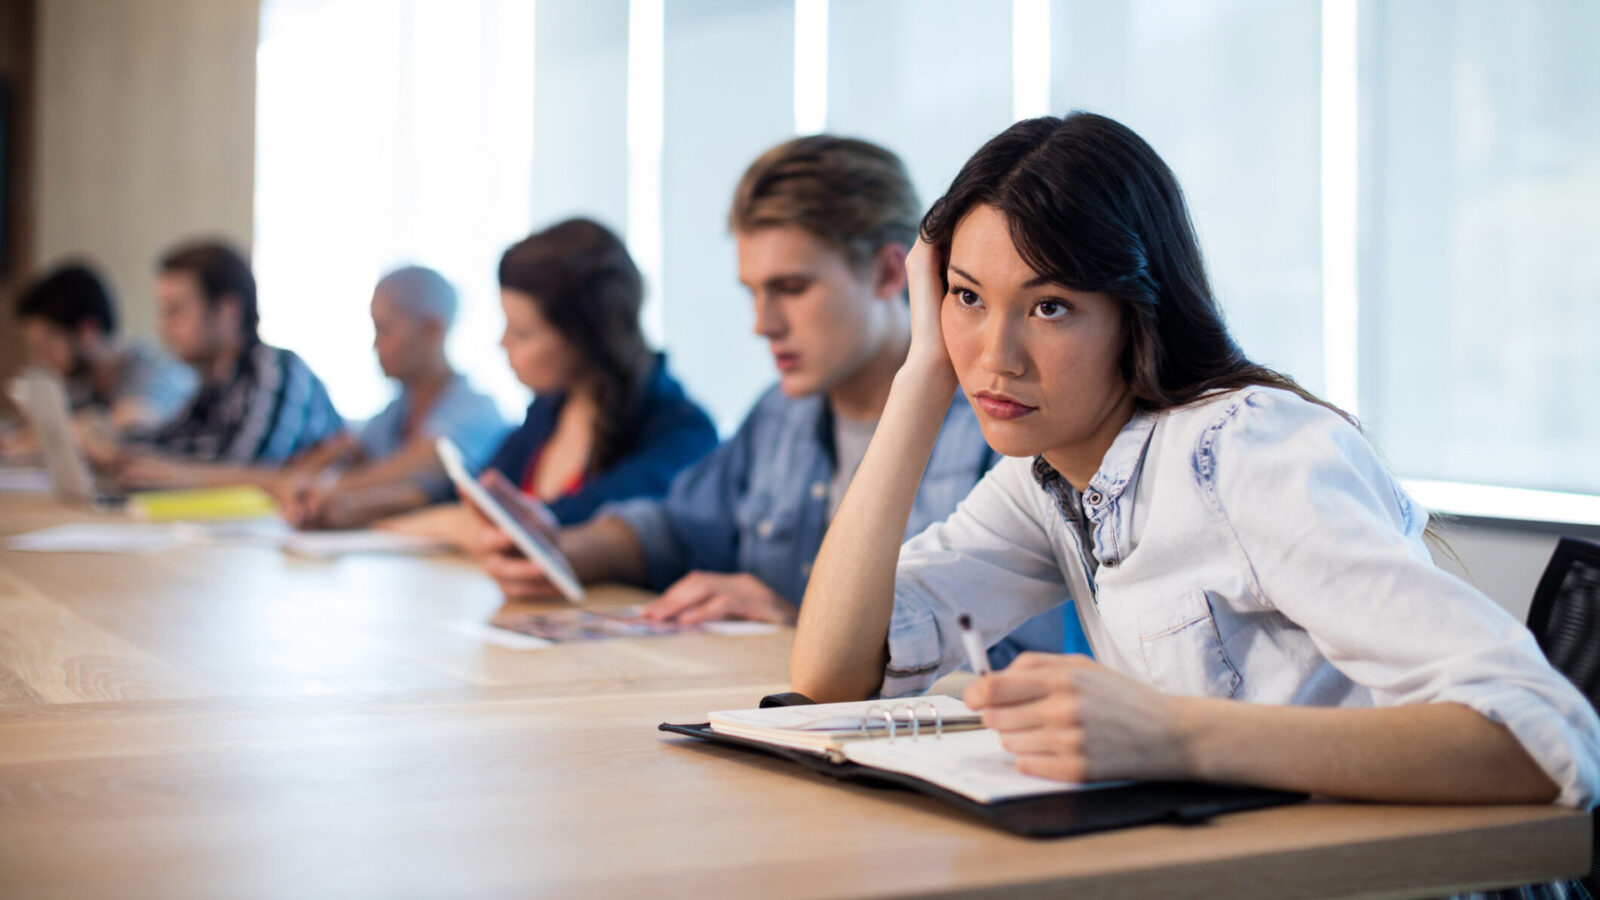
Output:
(891, 718)
(937, 747)
(828, 727)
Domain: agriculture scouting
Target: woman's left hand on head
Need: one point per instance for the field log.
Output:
(1069, 718)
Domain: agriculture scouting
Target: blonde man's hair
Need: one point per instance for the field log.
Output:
(851, 193)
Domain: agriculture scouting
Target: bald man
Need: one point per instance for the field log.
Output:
(391, 462)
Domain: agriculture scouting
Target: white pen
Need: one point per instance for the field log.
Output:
(976, 656)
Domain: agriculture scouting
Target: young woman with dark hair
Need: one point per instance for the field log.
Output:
(571, 296)
(1225, 535)
(607, 421)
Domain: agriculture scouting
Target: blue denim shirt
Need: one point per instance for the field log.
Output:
(1248, 546)
(665, 432)
(758, 504)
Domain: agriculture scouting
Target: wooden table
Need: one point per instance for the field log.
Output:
(224, 721)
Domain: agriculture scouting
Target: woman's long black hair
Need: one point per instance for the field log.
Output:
(1093, 208)
(588, 288)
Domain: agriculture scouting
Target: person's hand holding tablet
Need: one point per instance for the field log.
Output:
(519, 577)
(518, 546)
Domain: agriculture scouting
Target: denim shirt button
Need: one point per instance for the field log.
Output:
(764, 528)
(819, 491)
(1093, 498)
(1110, 563)
(805, 570)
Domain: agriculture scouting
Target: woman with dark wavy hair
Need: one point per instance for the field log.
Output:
(1225, 535)
(607, 421)
(571, 296)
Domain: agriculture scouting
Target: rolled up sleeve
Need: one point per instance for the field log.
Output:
(694, 525)
(650, 523)
(992, 559)
(1340, 555)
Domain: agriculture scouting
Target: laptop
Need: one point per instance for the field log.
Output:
(42, 398)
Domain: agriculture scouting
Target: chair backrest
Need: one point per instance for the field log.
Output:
(1565, 616)
(1565, 620)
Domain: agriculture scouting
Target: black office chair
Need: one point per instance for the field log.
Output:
(1565, 620)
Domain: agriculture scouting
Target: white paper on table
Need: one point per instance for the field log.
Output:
(105, 537)
(330, 544)
(499, 637)
(260, 530)
(25, 481)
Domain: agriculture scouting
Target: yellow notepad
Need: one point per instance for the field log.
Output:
(239, 502)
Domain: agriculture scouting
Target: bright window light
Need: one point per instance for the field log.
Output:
(1340, 311)
(810, 66)
(1494, 502)
(1030, 58)
(646, 65)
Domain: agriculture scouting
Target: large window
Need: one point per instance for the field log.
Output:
(1396, 200)
(388, 133)
(1480, 214)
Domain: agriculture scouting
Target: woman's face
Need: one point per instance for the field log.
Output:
(537, 352)
(1039, 362)
(821, 317)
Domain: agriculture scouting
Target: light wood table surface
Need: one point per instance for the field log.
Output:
(223, 721)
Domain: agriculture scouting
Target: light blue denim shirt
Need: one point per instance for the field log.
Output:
(1250, 545)
(758, 504)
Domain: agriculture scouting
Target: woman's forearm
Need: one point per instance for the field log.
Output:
(1432, 753)
(839, 649)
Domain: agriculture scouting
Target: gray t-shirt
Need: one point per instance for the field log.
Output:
(850, 440)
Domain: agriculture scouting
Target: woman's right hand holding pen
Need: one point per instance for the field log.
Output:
(1070, 718)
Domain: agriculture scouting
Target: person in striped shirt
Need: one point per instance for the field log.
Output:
(258, 406)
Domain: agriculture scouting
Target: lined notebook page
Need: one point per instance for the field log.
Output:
(970, 763)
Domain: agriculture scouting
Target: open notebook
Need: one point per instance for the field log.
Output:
(936, 739)
(938, 747)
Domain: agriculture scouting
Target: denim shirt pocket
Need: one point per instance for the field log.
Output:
(766, 536)
(1183, 649)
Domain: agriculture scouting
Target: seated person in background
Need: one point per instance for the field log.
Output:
(822, 225)
(608, 421)
(1255, 583)
(390, 466)
(257, 407)
(69, 326)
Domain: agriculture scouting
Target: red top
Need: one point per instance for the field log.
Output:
(531, 472)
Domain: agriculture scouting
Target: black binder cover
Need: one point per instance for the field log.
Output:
(1052, 815)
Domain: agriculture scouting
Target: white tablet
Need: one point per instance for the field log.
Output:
(535, 546)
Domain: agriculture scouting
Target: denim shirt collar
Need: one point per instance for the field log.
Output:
(1111, 540)
(1117, 470)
